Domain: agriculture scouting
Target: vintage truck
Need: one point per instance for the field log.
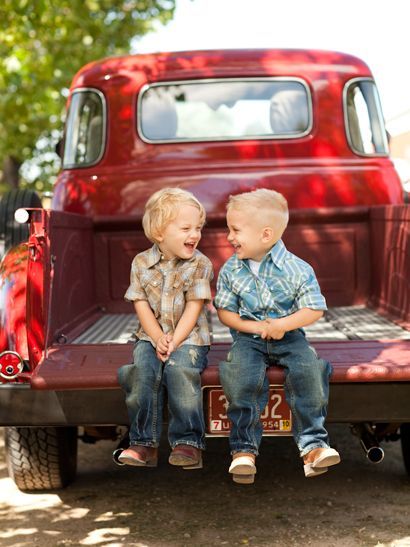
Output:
(306, 123)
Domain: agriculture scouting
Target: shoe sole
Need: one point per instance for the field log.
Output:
(326, 460)
(137, 463)
(182, 461)
(312, 472)
(243, 465)
(243, 479)
(197, 465)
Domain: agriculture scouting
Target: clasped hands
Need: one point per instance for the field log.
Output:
(165, 346)
(272, 329)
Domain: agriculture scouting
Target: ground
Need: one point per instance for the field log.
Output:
(355, 504)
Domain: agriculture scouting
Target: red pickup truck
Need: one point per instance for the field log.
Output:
(306, 123)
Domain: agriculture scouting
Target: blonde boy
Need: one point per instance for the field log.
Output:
(266, 295)
(169, 284)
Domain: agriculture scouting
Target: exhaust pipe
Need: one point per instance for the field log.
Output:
(122, 445)
(369, 442)
(115, 455)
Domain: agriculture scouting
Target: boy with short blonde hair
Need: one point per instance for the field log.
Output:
(266, 295)
(170, 282)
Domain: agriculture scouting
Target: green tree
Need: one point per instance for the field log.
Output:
(42, 45)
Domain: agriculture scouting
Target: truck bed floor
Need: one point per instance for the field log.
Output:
(342, 323)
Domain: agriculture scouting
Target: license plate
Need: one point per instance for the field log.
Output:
(276, 418)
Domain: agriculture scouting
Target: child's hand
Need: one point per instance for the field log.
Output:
(163, 347)
(273, 329)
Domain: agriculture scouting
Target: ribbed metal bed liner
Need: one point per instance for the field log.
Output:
(343, 323)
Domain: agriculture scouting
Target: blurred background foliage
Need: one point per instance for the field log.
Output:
(42, 45)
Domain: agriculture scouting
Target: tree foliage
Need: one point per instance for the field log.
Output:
(42, 45)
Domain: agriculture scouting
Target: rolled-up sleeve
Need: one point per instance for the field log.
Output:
(225, 298)
(135, 290)
(200, 288)
(309, 294)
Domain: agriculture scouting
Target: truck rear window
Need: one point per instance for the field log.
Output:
(364, 119)
(85, 129)
(265, 108)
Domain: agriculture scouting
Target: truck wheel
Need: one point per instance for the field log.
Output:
(405, 445)
(41, 458)
(11, 231)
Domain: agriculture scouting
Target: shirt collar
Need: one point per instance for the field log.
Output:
(154, 256)
(277, 254)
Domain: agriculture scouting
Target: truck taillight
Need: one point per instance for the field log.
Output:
(11, 365)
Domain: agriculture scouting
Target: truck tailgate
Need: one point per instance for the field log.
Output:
(95, 367)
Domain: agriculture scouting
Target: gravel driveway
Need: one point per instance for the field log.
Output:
(355, 504)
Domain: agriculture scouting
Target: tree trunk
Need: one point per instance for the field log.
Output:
(11, 167)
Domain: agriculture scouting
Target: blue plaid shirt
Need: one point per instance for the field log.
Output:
(285, 284)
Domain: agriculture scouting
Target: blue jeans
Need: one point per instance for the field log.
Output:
(244, 380)
(144, 383)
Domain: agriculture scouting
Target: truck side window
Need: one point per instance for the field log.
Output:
(364, 119)
(85, 129)
(228, 109)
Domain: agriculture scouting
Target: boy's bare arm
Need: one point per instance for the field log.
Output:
(147, 319)
(187, 321)
(302, 318)
(234, 321)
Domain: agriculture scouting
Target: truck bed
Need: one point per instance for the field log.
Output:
(89, 333)
(340, 323)
(369, 380)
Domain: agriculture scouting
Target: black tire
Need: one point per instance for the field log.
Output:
(405, 445)
(11, 231)
(41, 458)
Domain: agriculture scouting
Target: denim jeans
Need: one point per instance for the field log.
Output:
(244, 380)
(144, 383)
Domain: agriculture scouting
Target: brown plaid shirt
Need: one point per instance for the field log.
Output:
(167, 286)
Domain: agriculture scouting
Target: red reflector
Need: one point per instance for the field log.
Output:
(11, 364)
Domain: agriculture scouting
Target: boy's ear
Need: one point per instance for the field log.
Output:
(267, 234)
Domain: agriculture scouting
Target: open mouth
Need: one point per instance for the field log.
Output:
(190, 246)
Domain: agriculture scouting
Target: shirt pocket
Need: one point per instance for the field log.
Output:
(151, 282)
(246, 291)
(185, 279)
(280, 295)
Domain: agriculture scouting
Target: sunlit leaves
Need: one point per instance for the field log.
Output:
(42, 45)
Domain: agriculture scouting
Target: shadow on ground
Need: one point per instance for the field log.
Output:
(356, 503)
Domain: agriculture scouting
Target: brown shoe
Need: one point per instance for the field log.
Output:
(141, 456)
(186, 456)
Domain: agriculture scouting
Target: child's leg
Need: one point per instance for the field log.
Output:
(182, 378)
(144, 395)
(306, 387)
(243, 378)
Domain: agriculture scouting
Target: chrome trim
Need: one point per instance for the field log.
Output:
(104, 128)
(346, 121)
(145, 87)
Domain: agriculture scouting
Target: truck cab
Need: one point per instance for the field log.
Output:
(307, 123)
